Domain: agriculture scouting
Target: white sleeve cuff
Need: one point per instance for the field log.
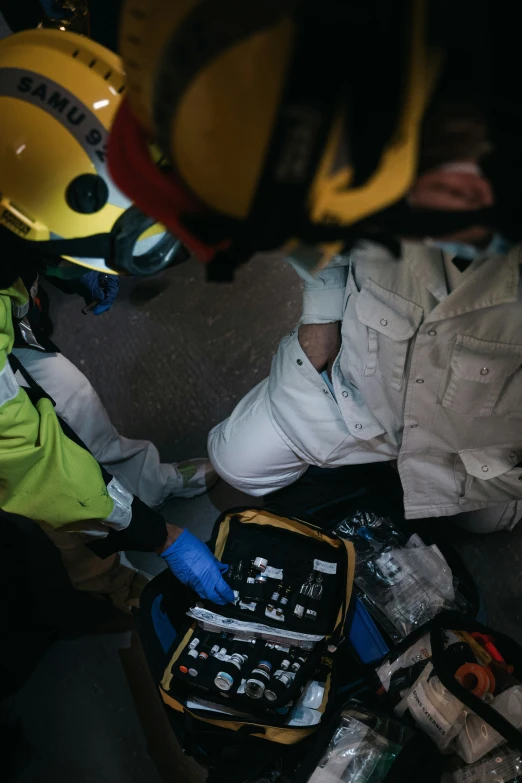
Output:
(323, 294)
(324, 298)
(121, 514)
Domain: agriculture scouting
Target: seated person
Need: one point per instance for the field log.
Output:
(415, 360)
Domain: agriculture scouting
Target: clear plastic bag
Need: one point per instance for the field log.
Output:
(356, 754)
(477, 737)
(399, 674)
(402, 582)
(433, 708)
(415, 689)
(502, 766)
(405, 588)
(370, 534)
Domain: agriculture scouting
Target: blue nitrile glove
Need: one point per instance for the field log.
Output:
(192, 562)
(96, 285)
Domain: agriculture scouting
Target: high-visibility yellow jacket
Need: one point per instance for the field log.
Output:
(44, 475)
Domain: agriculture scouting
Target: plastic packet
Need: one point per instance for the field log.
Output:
(502, 766)
(416, 542)
(405, 588)
(402, 672)
(477, 737)
(304, 716)
(434, 709)
(312, 696)
(370, 533)
(402, 582)
(412, 685)
(356, 754)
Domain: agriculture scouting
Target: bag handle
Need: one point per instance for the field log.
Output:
(447, 621)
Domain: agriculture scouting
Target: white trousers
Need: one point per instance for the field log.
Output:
(136, 463)
(247, 452)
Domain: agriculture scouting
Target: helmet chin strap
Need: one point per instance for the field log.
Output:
(94, 246)
(401, 220)
(115, 247)
(404, 220)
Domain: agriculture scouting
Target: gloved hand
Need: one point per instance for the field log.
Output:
(192, 562)
(98, 286)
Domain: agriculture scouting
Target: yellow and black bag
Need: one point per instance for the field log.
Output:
(244, 746)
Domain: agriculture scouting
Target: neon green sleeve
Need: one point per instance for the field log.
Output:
(43, 475)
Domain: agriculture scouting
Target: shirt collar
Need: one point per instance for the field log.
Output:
(494, 281)
(489, 282)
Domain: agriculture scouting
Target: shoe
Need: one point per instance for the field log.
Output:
(195, 476)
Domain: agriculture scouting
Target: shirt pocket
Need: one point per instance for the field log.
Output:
(391, 321)
(490, 475)
(479, 370)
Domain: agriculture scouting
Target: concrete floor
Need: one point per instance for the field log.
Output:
(169, 361)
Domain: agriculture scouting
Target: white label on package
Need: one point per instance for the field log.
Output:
(415, 542)
(279, 672)
(212, 620)
(325, 568)
(428, 718)
(419, 651)
(274, 573)
(274, 616)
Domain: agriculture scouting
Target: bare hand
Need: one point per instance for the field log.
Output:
(321, 343)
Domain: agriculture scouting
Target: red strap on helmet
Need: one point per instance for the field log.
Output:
(155, 192)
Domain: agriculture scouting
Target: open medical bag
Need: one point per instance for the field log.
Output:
(460, 683)
(283, 640)
(449, 709)
(246, 737)
(292, 551)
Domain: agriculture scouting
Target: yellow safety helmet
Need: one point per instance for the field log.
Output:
(277, 116)
(58, 95)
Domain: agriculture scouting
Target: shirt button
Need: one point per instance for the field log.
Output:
(299, 362)
(484, 371)
(413, 426)
(345, 394)
(513, 454)
(419, 380)
(384, 322)
(484, 468)
(325, 391)
(432, 333)
(358, 426)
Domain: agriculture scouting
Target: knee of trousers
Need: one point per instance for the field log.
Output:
(502, 516)
(230, 466)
